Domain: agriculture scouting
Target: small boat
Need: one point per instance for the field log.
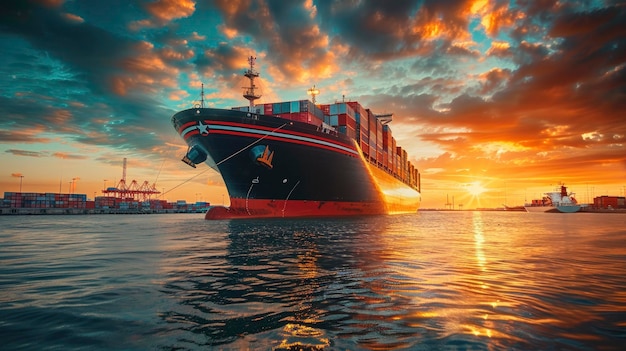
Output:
(556, 201)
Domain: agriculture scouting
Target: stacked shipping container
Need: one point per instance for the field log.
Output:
(44, 200)
(77, 201)
(343, 117)
(362, 126)
(350, 118)
(607, 202)
(301, 111)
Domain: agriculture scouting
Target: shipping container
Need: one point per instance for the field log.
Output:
(372, 152)
(609, 202)
(333, 120)
(379, 134)
(325, 109)
(372, 125)
(276, 109)
(386, 136)
(360, 114)
(305, 117)
(365, 147)
(347, 130)
(393, 155)
(347, 120)
(342, 107)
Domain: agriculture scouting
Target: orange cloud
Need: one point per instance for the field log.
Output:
(164, 12)
(499, 49)
(169, 53)
(178, 95)
(67, 156)
(147, 70)
(493, 80)
(229, 32)
(168, 10)
(73, 18)
(494, 16)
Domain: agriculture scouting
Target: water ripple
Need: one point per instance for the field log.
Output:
(453, 281)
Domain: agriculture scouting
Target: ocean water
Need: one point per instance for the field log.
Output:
(427, 281)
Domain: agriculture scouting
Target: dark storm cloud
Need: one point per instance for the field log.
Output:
(392, 29)
(376, 28)
(88, 49)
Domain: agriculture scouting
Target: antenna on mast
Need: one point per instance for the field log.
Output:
(202, 96)
(249, 92)
(313, 92)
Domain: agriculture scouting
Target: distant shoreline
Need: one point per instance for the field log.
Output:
(81, 211)
(7, 211)
(582, 210)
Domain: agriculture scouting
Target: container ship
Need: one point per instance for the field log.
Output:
(558, 200)
(300, 159)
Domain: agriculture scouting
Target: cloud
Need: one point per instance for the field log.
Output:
(164, 12)
(297, 46)
(67, 156)
(26, 136)
(26, 153)
(486, 83)
(95, 71)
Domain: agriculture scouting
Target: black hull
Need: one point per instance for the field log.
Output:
(266, 160)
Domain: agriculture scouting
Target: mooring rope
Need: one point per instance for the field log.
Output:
(228, 158)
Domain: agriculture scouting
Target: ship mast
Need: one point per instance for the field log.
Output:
(202, 96)
(313, 92)
(249, 92)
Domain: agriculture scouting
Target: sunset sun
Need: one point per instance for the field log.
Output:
(475, 188)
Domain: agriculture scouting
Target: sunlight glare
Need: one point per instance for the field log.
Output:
(475, 188)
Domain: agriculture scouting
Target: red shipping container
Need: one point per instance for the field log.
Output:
(346, 120)
(365, 147)
(268, 109)
(355, 105)
(325, 109)
(302, 117)
(372, 152)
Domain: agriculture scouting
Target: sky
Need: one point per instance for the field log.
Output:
(496, 102)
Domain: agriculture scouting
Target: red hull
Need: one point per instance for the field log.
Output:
(253, 208)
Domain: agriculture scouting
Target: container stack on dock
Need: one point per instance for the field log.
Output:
(55, 203)
(44, 200)
(372, 133)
